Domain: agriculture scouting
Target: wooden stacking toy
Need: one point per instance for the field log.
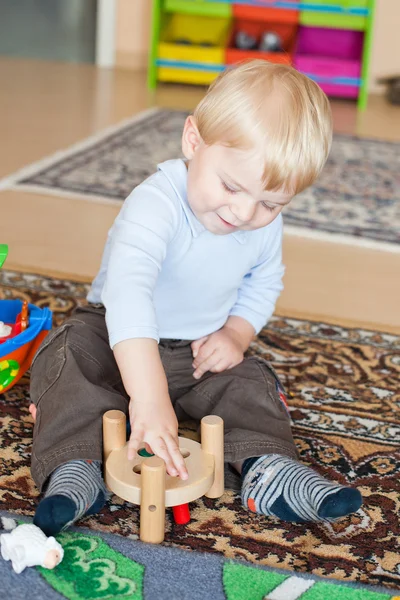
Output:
(144, 481)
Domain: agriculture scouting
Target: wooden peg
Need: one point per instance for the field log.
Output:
(114, 432)
(24, 315)
(152, 503)
(181, 514)
(212, 442)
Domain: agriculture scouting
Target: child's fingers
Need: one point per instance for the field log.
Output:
(202, 357)
(134, 443)
(197, 344)
(204, 353)
(224, 365)
(160, 449)
(176, 456)
(220, 366)
(206, 365)
(33, 410)
(148, 449)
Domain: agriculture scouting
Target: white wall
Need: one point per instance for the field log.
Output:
(385, 59)
(132, 33)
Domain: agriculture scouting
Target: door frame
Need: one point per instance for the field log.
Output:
(105, 32)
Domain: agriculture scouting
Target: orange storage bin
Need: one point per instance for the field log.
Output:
(255, 13)
(287, 32)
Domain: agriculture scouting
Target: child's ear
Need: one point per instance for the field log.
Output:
(190, 138)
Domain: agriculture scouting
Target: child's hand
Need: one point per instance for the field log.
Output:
(156, 424)
(217, 352)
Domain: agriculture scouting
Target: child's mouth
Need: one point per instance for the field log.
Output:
(226, 223)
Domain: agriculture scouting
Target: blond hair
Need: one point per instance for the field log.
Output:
(272, 107)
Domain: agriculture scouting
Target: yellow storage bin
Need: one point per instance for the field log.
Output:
(198, 41)
(176, 75)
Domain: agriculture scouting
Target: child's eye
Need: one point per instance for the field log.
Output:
(227, 188)
(270, 208)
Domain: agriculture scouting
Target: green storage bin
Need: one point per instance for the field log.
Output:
(199, 7)
(343, 18)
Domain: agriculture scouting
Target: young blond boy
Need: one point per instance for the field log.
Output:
(190, 273)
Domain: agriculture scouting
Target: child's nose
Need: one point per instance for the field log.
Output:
(244, 210)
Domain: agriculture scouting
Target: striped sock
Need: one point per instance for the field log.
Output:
(282, 487)
(75, 489)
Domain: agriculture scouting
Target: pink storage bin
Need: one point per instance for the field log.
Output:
(335, 43)
(323, 52)
(331, 67)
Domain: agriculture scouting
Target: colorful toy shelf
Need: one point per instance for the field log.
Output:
(329, 40)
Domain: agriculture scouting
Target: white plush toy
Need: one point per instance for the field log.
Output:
(28, 546)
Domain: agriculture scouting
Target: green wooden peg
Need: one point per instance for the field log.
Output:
(3, 253)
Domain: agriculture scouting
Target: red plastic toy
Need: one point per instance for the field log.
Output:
(23, 326)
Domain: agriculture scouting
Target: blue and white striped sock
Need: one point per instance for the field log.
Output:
(282, 487)
(75, 489)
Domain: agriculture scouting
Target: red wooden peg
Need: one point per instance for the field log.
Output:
(181, 514)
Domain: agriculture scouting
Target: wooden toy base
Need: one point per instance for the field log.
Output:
(123, 477)
(144, 481)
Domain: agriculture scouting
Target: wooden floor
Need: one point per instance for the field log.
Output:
(45, 107)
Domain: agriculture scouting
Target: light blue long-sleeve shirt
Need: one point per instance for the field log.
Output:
(163, 275)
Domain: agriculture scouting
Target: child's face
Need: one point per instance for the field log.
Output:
(225, 190)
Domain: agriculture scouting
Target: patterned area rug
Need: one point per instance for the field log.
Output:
(356, 199)
(344, 402)
(104, 566)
